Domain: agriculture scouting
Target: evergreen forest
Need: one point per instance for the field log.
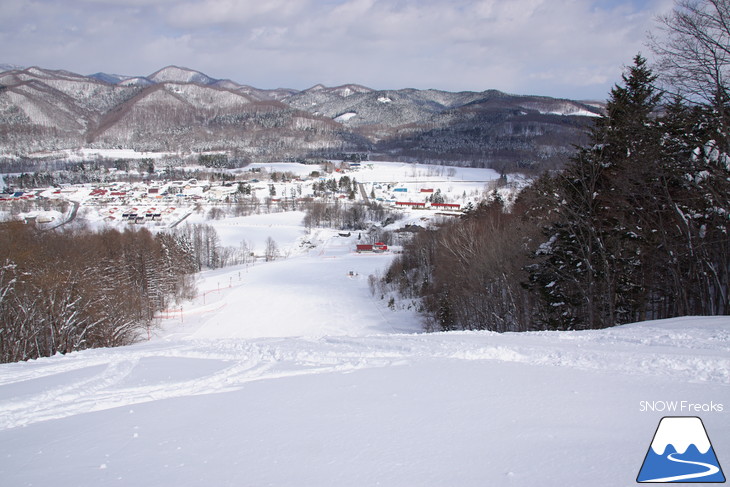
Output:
(635, 227)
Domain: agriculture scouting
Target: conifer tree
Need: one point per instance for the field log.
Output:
(589, 273)
(695, 178)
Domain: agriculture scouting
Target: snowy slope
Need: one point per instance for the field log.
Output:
(187, 109)
(180, 75)
(291, 373)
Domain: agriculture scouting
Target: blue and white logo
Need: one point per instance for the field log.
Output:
(681, 452)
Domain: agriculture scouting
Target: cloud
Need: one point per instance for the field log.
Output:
(571, 48)
(204, 13)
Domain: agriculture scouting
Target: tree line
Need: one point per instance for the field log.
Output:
(62, 291)
(635, 227)
(346, 216)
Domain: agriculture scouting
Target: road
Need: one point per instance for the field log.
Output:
(364, 193)
(71, 217)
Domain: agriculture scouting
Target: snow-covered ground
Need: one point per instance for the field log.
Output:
(285, 228)
(290, 373)
(320, 290)
(164, 204)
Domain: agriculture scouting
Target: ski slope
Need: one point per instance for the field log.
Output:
(291, 373)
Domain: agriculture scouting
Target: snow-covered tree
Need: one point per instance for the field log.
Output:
(641, 232)
(589, 274)
(65, 291)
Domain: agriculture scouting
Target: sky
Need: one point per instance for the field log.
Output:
(563, 48)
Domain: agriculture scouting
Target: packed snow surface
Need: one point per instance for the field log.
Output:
(292, 373)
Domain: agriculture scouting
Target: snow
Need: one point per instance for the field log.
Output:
(414, 174)
(294, 167)
(572, 112)
(43, 216)
(323, 291)
(292, 373)
(345, 117)
(284, 228)
(180, 75)
(87, 153)
(380, 171)
(389, 409)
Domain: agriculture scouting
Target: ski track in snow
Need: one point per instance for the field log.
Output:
(208, 355)
(278, 341)
(94, 380)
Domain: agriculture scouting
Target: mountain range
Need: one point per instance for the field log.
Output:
(180, 109)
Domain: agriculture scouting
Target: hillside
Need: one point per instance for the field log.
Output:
(291, 373)
(302, 372)
(183, 109)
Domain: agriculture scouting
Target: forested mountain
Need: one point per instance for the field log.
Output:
(182, 109)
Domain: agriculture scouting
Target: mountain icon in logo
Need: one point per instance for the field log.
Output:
(681, 452)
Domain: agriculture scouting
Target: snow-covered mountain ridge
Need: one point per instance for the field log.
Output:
(44, 109)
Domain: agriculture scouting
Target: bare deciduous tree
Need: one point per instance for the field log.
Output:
(271, 251)
(65, 291)
(693, 46)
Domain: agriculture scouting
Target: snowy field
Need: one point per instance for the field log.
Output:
(291, 373)
(284, 228)
(380, 171)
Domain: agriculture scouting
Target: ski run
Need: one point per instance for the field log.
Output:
(293, 373)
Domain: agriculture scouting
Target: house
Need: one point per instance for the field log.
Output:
(377, 247)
